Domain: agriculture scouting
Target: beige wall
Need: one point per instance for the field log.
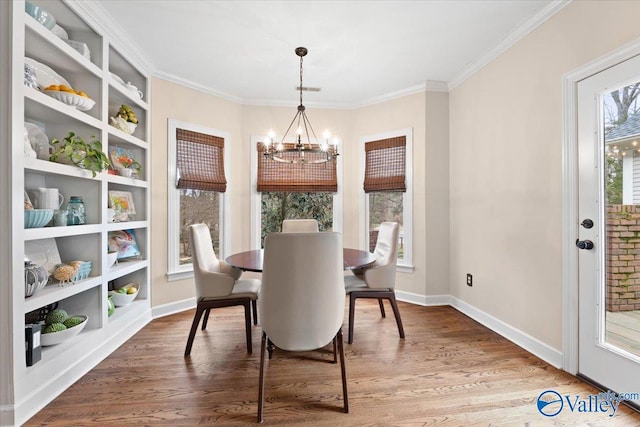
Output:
(174, 101)
(429, 162)
(505, 165)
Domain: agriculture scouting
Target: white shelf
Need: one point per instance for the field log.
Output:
(54, 292)
(33, 387)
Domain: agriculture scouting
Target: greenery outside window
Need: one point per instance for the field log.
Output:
(310, 192)
(196, 189)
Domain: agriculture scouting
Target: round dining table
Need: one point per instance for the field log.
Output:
(252, 260)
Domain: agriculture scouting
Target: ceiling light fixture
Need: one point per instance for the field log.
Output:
(323, 151)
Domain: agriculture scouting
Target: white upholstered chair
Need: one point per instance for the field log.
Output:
(379, 280)
(302, 298)
(299, 226)
(217, 284)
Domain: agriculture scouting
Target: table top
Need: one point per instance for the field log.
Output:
(252, 260)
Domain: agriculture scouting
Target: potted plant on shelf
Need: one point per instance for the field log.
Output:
(126, 165)
(74, 150)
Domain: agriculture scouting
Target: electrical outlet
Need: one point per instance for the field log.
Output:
(469, 280)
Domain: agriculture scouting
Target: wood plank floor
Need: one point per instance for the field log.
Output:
(449, 371)
(623, 330)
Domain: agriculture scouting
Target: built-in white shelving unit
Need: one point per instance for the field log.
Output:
(32, 387)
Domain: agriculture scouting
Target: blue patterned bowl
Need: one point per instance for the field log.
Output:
(36, 218)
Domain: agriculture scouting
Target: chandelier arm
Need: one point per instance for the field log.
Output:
(289, 128)
(306, 121)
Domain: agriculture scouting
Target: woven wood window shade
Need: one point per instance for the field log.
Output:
(275, 176)
(385, 165)
(200, 161)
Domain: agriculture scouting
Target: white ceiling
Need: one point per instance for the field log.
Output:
(359, 51)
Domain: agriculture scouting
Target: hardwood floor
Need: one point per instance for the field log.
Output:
(448, 371)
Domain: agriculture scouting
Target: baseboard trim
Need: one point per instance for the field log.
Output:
(173, 308)
(516, 336)
(521, 339)
(424, 300)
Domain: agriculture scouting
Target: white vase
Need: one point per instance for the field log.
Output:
(125, 172)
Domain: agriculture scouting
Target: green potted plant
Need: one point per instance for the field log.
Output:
(74, 150)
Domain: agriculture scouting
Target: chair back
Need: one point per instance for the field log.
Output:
(203, 257)
(382, 275)
(302, 296)
(299, 226)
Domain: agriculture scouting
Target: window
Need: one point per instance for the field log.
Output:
(284, 191)
(388, 186)
(197, 191)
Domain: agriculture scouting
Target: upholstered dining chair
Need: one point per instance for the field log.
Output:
(218, 285)
(379, 280)
(302, 298)
(299, 226)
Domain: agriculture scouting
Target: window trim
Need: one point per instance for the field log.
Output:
(256, 201)
(407, 198)
(175, 271)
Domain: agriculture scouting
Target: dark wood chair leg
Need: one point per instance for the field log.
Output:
(261, 380)
(270, 348)
(194, 328)
(381, 307)
(335, 352)
(396, 313)
(255, 311)
(247, 324)
(352, 307)
(343, 371)
(206, 318)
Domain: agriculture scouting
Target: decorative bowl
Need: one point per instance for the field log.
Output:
(40, 15)
(123, 125)
(36, 218)
(84, 269)
(112, 257)
(54, 338)
(121, 300)
(80, 102)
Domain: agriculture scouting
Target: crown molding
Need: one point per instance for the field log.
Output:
(520, 32)
(428, 86)
(98, 17)
(196, 86)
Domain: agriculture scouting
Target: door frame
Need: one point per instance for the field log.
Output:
(570, 218)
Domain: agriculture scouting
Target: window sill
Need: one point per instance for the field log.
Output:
(179, 275)
(404, 268)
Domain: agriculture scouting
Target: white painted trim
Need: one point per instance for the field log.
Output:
(196, 86)
(519, 33)
(175, 271)
(526, 341)
(529, 343)
(180, 275)
(78, 367)
(407, 198)
(424, 300)
(570, 195)
(173, 308)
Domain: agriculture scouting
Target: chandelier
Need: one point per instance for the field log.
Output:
(322, 151)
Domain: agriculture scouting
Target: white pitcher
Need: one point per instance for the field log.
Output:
(49, 198)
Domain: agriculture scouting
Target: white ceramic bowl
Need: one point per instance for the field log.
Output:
(123, 125)
(112, 257)
(121, 300)
(36, 218)
(80, 102)
(58, 337)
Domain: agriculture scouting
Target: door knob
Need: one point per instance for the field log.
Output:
(587, 223)
(584, 244)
